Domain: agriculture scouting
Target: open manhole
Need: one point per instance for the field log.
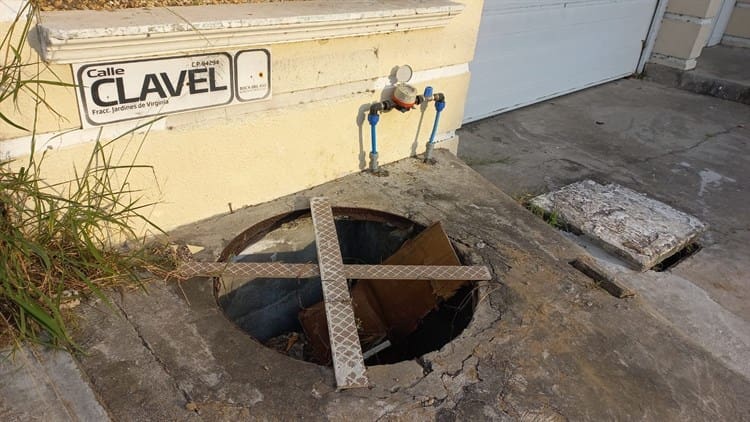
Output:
(681, 255)
(396, 320)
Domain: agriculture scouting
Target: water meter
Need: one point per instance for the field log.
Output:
(404, 95)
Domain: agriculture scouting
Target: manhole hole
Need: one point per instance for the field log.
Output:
(671, 261)
(287, 314)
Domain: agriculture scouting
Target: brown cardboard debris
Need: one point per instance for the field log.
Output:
(406, 302)
(390, 308)
(370, 326)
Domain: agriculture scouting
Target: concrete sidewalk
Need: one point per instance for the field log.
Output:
(545, 342)
(45, 385)
(689, 151)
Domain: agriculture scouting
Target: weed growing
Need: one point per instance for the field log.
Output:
(62, 241)
(552, 218)
(18, 77)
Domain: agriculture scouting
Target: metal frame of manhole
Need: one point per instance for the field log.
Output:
(348, 363)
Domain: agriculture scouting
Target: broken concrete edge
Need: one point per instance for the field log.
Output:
(441, 367)
(637, 264)
(610, 283)
(545, 204)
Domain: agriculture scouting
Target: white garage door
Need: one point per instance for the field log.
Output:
(532, 50)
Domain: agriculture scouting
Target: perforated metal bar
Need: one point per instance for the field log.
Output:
(418, 272)
(248, 269)
(348, 364)
(370, 272)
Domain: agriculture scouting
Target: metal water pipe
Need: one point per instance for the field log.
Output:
(403, 100)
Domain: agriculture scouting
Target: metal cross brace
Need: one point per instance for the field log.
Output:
(348, 363)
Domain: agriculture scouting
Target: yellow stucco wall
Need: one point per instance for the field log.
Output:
(21, 111)
(739, 24)
(205, 160)
(685, 38)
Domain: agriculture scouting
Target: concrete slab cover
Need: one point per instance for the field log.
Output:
(641, 230)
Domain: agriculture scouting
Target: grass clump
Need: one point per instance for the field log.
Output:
(61, 241)
(553, 218)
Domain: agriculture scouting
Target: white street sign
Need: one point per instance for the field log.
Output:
(118, 91)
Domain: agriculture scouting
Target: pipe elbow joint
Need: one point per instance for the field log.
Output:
(373, 118)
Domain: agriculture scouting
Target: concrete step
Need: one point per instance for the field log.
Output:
(722, 72)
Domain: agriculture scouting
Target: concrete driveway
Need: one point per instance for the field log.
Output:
(686, 150)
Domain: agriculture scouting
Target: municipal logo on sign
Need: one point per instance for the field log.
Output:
(119, 91)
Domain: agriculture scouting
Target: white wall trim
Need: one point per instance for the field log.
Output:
(84, 35)
(19, 147)
(653, 33)
(426, 75)
(507, 7)
(9, 9)
(445, 137)
(721, 22)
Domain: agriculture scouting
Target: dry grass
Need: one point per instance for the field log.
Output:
(60, 242)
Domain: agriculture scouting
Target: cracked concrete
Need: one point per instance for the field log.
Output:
(683, 149)
(686, 150)
(544, 344)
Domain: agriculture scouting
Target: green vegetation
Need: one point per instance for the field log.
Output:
(62, 241)
(57, 241)
(552, 218)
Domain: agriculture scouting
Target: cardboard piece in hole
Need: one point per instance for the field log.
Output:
(390, 309)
